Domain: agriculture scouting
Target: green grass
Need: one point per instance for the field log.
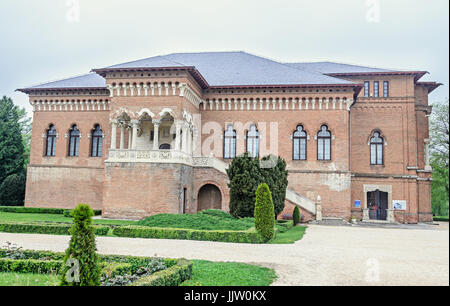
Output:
(290, 236)
(205, 220)
(440, 218)
(207, 273)
(33, 217)
(28, 279)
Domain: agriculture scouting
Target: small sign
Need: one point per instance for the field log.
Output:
(357, 203)
(399, 204)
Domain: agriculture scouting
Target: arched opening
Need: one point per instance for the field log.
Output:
(209, 197)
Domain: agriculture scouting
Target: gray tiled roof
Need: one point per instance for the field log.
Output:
(330, 67)
(90, 80)
(236, 68)
(230, 69)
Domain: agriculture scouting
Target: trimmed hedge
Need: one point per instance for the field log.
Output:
(440, 218)
(109, 269)
(172, 276)
(45, 228)
(45, 262)
(37, 210)
(30, 266)
(132, 231)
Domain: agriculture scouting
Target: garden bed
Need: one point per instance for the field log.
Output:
(116, 270)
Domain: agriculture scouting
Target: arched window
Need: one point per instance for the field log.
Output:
(97, 142)
(376, 149)
(74, 141)
(165, 146)
(299, 143)
(50, 146)
(229, 146)
(253, 142)
(324, 143)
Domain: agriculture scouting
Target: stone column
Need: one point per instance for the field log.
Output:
(184, 139)
(390, 216)
(366, 214)
(130, 133)
(189, 141)
(156, 135)
(113, 135)
(319, 209)
(134, 124)
(427, 155)
(122, 136)
(177, 136)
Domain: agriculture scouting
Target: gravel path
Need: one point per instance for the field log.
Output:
(327, 255)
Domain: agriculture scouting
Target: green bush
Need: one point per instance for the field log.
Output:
(172, 276)
(30, 266)
(45, 228)
(38, 210)
(249, 236)
(83, 249)
(205, 220)
(244, 175)
(296, 215)
(12, 190)
(264, 212)
(276, 177)
(440, 218)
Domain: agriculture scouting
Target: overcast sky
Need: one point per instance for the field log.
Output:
(44, 40)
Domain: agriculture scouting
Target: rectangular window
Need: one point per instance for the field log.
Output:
(376, 89)
(385, 89)
(366, 89)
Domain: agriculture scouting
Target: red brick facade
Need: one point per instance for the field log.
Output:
(132, 180)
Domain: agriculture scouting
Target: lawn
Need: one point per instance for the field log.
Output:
(34, 217)
(290, 236)
(28, 279)
(207, 273)
(205, 220)
(440, 218)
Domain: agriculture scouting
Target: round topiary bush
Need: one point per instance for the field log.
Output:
(81, 262)
(296, 215)
(264, 212)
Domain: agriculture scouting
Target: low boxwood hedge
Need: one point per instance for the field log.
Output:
(249, 236)
(30, 266)
(45, 228)
(173, 276)
(37, 210)
(46, 262)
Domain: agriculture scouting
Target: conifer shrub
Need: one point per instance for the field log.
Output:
(264, 212)
(81, 263)
(296, 215)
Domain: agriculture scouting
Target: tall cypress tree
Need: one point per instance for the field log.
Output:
(11, 151)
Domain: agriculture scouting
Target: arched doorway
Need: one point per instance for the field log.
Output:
(209, 197)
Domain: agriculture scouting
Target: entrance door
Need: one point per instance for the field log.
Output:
(209, 197)
(377, 203)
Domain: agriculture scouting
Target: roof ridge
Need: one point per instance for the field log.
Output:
(296, 68)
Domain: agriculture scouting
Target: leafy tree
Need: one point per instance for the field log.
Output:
(276, 178)
(264, 212)
(12, 190)
(81, 251)
(296, 215)
(244, 176)
(11, 146)
(25, 126)
(246, 173)
(439, 157)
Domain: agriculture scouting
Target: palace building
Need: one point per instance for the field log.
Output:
(157, 135)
